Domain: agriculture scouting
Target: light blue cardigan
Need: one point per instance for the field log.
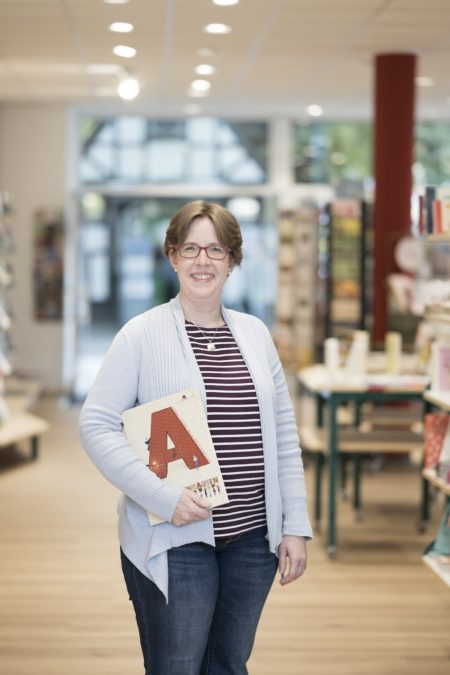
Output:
(151, 357)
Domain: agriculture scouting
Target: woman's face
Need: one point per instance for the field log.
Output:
(201, 279)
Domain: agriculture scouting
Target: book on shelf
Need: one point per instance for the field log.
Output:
(436, 432)
(440, 364)
(171, 436)
(430, 196)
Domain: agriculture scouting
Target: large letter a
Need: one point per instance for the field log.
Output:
(166, 423)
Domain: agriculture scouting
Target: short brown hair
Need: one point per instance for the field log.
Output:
(225, 225)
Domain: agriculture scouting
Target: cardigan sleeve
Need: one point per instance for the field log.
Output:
(115, 390)
(290, 465)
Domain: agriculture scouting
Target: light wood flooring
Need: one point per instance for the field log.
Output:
(375, 610)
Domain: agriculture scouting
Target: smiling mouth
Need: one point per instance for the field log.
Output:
(202, 277)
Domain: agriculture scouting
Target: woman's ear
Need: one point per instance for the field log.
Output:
(173, 258)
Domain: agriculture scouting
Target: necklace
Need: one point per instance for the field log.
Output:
(211, 347)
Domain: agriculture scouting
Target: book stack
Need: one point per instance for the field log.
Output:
(434, 211)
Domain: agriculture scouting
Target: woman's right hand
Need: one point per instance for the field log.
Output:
(190, 507)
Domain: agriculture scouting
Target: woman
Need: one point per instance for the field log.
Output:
(198, 582)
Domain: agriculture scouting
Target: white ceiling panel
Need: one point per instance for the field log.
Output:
(280, 56)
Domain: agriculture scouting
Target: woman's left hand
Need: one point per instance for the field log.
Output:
(291, 558)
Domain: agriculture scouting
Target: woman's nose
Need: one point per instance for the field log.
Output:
(202, 258)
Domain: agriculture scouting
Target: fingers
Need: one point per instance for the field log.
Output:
(296, 569)
(200, 501)
(190, 507)
(282, 562)
(292, 558)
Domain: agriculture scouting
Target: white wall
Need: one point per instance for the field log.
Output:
(33, 168)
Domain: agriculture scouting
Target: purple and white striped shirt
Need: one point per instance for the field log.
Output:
(235, 426)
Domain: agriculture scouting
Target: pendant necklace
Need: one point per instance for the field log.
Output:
(211, 347)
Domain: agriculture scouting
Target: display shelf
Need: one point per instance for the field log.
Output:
(295, 311)
(443, 238)
(438, 398)
(441, 317)
(440, 568)
(431, 476)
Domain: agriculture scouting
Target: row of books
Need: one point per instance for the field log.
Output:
(434, 211)
(437, 444)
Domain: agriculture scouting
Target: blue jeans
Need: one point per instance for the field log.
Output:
(216, 596)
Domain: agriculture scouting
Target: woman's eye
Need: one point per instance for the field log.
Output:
(189, 248)
(216, 249)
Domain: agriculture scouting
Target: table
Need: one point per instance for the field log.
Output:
(333, 391)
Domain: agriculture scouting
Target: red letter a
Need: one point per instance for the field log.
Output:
(166, 423)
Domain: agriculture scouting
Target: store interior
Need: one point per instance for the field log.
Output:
(115, 113)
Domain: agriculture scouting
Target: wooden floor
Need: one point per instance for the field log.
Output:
(375, 610)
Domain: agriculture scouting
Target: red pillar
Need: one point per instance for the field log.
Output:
(393, 159)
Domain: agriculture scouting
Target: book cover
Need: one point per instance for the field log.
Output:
(436, 426)
(437, 217)
(172, 438)
(440, 366)
(430, 196)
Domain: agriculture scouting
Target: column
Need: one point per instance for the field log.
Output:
(393, 158)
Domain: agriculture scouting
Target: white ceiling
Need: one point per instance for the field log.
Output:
(280, 56)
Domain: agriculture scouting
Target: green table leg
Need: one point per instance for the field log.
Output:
(332, 461)
(34, 447)
(318, 489)
(357, 485)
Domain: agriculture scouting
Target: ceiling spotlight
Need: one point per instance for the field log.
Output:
(128, 89)
(124, 51)
(225, 3)
(200, 85)
(217, 28)
(424, 81)
(121, 27)
(314, 110)
(116, 2)
(204, 69)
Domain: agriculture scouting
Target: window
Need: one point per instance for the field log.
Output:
(202, 150)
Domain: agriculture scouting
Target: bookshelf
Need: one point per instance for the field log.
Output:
(16, 394)
(434, 225)
(6, 281)
(346, 268)
(297, 276)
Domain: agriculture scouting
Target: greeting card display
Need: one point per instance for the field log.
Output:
(172, 438)
(436, 428)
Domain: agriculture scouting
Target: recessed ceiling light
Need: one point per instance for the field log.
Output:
(225, 3)
(200, 85)
(424, 81)
(204, 69)
(192, 109)
(217, 28)
(128, 89)
(116, 2)
(314, 110)
(121, 27)
(123, 50)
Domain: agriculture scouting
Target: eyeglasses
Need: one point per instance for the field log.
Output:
(214, 251)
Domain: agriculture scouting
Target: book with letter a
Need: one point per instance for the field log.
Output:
(172, 438)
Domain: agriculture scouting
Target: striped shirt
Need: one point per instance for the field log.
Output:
(235, 426)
